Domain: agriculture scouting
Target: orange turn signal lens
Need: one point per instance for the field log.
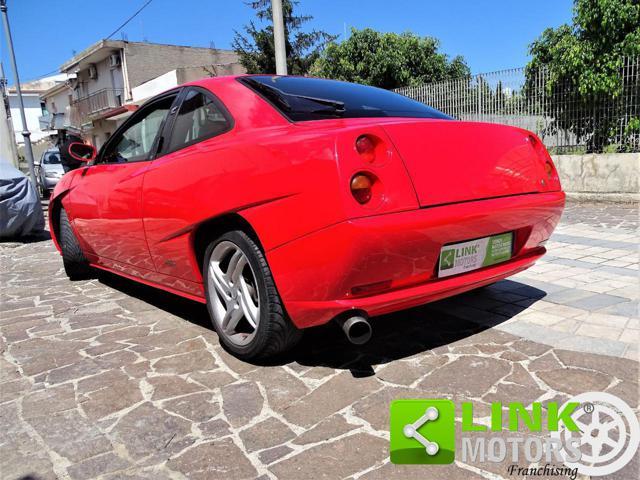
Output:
(549, 169)
(361, 187)
(366, 147)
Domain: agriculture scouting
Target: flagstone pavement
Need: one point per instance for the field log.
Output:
(112, 380)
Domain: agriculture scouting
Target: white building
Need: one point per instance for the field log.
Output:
(34, 107)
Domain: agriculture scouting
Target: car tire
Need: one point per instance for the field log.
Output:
(272, 332)
(76, 265)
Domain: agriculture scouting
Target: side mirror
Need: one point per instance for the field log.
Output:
(82, 152)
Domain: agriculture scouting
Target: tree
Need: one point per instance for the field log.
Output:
(255, 46)
(583, 64)
(388, 60)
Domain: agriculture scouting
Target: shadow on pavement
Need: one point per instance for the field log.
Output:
(188, 310)
(39, 237)
(395, 336)
(409, 332)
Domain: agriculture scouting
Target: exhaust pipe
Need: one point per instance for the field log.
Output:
(356, 327)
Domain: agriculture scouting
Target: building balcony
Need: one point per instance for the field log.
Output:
(95, 106)
(55, 121)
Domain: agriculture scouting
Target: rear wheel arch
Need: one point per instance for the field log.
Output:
(55, 208)
(209, 230)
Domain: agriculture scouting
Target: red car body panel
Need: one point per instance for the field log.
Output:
(107, 213)
(438, 182)
(388, 262)
(471, 161)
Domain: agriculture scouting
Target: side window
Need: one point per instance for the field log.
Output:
(199, 118)
(135, 142)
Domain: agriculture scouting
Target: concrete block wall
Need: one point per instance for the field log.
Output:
(600, 176)
(145, 61)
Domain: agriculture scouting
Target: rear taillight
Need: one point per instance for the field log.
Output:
(551, 179)
(372, 175)
(548, 167)
(362, 187)
(366, 147)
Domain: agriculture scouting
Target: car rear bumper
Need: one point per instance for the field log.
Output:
(385, 263)
(50, 183)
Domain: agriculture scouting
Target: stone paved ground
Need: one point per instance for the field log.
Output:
(108, 379)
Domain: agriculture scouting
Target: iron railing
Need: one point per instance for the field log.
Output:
(565, 119)
(93, 105)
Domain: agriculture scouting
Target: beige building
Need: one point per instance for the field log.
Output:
(100, 96)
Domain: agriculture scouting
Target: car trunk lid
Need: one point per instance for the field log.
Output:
(454, 161)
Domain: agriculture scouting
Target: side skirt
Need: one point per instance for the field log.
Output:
(150, 283)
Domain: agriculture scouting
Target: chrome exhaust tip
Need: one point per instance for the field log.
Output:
(355, 327)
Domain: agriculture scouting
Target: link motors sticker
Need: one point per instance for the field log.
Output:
(474, 254)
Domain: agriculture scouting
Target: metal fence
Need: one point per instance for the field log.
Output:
(565, 119)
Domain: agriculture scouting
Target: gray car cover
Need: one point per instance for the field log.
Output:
(20, 209)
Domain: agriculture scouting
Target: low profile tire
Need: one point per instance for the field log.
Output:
(76, 266)
(243, 302)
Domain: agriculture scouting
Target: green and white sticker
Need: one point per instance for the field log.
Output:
(474, 254)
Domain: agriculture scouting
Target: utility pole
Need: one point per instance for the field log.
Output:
(25, 130)
(8, 149)
(278, 37)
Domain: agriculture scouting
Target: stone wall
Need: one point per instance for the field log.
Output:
(600, 176)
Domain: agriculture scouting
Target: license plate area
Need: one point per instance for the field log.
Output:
(471, 255)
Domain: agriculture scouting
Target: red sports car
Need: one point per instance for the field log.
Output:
(286, 202)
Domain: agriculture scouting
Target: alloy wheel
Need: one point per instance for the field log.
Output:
(233, 289)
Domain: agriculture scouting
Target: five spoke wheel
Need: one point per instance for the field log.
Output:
(243, 300)
(236, 303)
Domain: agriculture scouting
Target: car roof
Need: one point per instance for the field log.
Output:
(203, 82)
(213, 80)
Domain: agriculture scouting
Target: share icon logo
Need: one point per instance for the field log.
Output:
(422, 431)
(411, 430)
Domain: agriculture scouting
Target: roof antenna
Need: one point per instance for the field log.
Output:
(144, 37)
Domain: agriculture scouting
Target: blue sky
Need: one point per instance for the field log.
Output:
(491, 35)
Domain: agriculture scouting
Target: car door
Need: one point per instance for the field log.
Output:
(107, 199)
(187, 171)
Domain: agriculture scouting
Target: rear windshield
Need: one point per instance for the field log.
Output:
(51, 158)
(300, 99)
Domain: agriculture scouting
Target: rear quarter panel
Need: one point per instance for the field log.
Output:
(286, 179)
(281, 180)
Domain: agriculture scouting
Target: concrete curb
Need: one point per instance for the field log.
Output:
(604, 197)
